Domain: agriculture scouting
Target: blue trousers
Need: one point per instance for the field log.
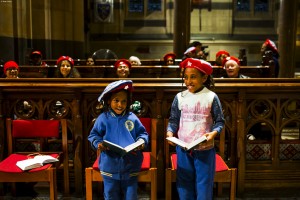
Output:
(120, 189)
(195, 174)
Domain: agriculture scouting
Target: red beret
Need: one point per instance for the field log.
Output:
(122, 62)
(169, 55)
(191, 49)
(230, 58)
(68, 58)
(36, 53)
(200, 65)
(269, 43)
(10, 64)
(219, 53)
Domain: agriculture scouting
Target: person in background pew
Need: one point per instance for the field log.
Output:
(135, 61)
(65, 68)
(11, 69)
(266, 47)
(169, 58)
(122, 127)
(231, 65)
(220, 55)
(189, 53)
(197, 105)
(90, 61)
(35, 59)
(200, 53)
(122, 67)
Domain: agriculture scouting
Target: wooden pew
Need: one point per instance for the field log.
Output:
(156, 71)
(274, 101)
(82, 62)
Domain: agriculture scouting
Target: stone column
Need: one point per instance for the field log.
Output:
(287, 31)
(182, 18)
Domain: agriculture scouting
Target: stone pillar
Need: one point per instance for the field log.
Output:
(287, 31)
(182, 18)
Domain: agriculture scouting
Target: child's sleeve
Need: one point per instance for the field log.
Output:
(217, 115)
(174, 117)
(96, 134)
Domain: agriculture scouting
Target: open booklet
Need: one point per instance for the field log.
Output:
(187, 146)
(120, 150)
(35, 162)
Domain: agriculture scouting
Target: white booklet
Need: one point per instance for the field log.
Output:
(35, 162)
(187, 146)
(120, 150)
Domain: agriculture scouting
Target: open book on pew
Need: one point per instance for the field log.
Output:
(187, 146)
(35, 162)
(123, 150)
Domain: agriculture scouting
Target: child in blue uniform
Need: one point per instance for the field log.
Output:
(190, 108)
(116, 124)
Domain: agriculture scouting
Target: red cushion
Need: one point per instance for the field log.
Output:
(145, 163)
(95, 165)
(35, 128)
(147, 124)
(9, 164)
(174, 161)
(220, 164)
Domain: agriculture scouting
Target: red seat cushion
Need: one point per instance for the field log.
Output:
(35, 128)
(145, 163)
(9, 164)
(220, 164)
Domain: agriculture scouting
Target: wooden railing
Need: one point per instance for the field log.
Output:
(150, 71)
(262, 107)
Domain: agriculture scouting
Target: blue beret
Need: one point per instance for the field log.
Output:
(115, 87)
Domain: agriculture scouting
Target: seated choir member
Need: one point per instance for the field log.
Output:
(169, 58)
(36, 59)
(90, 61)
(122, 67)
(11, 69)
(190, 53)
(220, 55)
(200, 53)
(135, 61)
(65, 68)
(231, 65)
(268, 46)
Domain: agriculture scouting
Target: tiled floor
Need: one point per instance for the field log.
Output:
(42, 193)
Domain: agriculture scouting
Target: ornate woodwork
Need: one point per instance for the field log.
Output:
(264, 108)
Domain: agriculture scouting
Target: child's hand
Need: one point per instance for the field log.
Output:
(101, 147)
(170, 134)
(211, 135)
(141, 147)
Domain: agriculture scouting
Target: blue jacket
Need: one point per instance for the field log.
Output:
(122, 130)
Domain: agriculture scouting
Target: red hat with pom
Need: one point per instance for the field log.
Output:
(36, 53)
(201, 65)
(190, 50)
(271, 45)
(122, 62)
(219, 53)
(230, 58)
(68, 58)
(169, 55)
(10, 64)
